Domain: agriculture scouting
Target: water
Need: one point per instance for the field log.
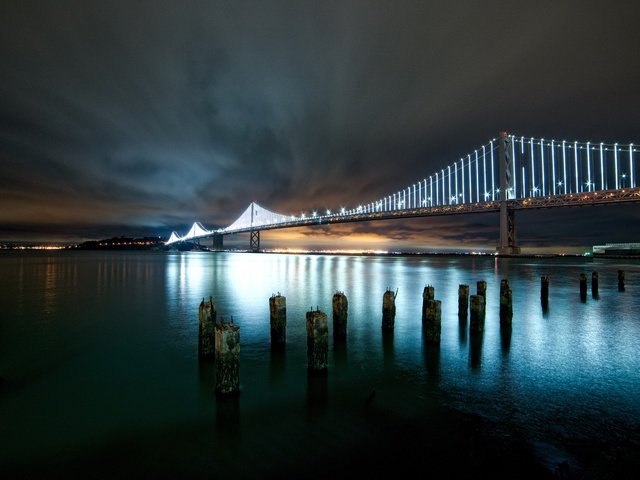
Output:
(98, 355)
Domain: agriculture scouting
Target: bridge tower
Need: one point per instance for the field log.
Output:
(254, 241)
(507, 244)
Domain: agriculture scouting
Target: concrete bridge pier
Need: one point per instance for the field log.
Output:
(508, 243)
(217, 242)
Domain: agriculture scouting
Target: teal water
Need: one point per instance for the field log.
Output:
(101, 377)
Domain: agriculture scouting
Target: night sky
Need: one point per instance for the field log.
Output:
(138, 118)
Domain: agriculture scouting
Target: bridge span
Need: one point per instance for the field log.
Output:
(505, 175)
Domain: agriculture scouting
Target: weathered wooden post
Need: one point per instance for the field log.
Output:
(463, 300)
(227, 358)
(506, 307)
(317, 340)
(476, 322)
(206, 329)
(621, 280)
(482, 289)
(594, 284)
(427, 294)
(583, 287)
(389, 309)
(340, 314)
(544, 291)
(431, 321)
(278, 319)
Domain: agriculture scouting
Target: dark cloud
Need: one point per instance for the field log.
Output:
(128, 114)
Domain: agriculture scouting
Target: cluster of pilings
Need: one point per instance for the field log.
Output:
(317, 327)
(595, 287)
(222, 340)
(477, 305)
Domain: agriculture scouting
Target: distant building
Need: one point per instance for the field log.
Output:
(617, 250)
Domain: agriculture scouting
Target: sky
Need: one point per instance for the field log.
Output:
(139, 118)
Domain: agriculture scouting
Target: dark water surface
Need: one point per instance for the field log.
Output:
(101, 378)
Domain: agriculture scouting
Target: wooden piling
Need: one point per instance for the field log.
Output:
(594, 284)
(506, 307)
(340, 314)
(431, 321)
(621, 280)
(544, 290)
(583, 287)
(227, 358)
(476, 322)
(317, 340)
(206, 329)
(463, 300)
(389, 309)
(278, 319)
(427, 294)
(481, 289)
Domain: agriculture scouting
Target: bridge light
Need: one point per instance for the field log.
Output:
(328, 212)
(486, 195)
(342, 211)
(302, 215)
(315, 214)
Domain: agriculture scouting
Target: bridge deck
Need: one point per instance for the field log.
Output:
(549, 201)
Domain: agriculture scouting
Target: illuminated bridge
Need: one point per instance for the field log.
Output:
(506, 174)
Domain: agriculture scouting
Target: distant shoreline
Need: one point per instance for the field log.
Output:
(157, 244)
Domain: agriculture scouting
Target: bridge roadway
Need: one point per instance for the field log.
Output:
(603, 197)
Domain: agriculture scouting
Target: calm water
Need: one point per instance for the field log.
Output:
(98, 352)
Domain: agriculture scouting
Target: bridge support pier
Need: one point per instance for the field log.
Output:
(508, 244)
(254, 242)
(217, 242)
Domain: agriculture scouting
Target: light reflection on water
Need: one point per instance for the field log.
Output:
(119, 329)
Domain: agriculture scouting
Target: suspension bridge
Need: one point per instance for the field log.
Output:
(507, 174)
